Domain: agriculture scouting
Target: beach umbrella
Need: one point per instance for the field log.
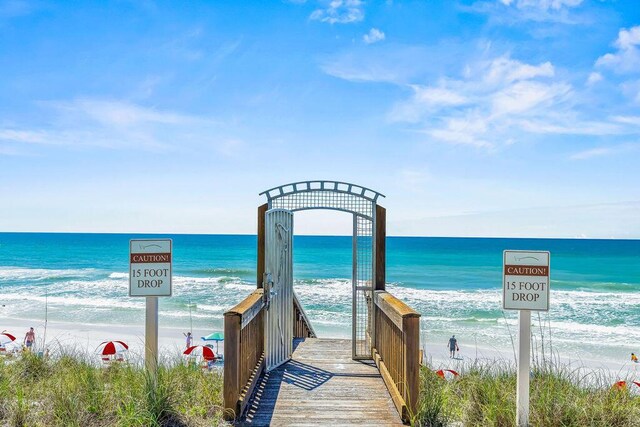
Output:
(199, 350)
(6, 338)
(632, 386)
(217, 337)
(447, 374)
(111, 347)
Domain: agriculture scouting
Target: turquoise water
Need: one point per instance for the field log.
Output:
(455, 283)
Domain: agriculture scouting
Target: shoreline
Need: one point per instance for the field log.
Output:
(85, 338)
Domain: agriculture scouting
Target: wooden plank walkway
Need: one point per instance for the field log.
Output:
(322, 385)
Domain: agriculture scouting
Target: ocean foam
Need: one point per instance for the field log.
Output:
(19, 273)
(117, 275)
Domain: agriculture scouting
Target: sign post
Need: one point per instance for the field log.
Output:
(525, 288)
(150, 265)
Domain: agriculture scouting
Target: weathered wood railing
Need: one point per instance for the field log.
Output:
(301, 326)
(244, 348)
(397, 350)
(243, 352)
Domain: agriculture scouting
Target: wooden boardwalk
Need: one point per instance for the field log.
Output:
(322, 385)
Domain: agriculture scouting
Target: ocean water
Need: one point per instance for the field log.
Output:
(455, 283)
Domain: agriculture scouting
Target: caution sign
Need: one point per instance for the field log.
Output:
(526, 280)
(150, 268)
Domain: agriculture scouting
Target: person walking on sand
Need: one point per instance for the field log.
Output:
(634, 358)
(453, 347)
(189, 339)
(29, 338)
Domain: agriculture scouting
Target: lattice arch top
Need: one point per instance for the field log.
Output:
(335, 195)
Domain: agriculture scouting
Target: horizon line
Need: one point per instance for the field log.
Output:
(317, 235)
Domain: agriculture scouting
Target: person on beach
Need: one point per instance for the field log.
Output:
(29, 338)
(634, 358)
(453, 346)
(189, 339)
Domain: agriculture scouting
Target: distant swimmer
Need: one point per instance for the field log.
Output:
(453, 346)
(634, 358)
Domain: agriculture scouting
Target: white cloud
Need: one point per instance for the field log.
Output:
(121, 113)
(594, 152)
(426, 99)
(511, 11)
(567, 124)
(541, 4)
(24, 136)
(603, 151)
(391, 63)
(506, 70)
(626, 59)
(594, 78)
(340, 12)
(488, 104)
(500, 102)
(631, 120)
(471, 129)
(438, 96)
(628, 39)
(373, 36)
(525, 96)
(114, 125)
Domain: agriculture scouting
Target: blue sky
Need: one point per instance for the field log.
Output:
(474, 118)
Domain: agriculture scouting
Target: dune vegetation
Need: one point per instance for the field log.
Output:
(73, 390)
(485, 395)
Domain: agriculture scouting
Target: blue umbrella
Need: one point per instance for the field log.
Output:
(216, 336)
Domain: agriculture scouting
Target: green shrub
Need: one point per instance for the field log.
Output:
(559, 397)
(74, 390)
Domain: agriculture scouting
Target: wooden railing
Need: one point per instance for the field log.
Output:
(244, 348)
(243, 352)
(397, 351)
(301, 326)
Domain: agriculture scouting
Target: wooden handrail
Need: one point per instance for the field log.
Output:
(397, 351)
(301, 326)
(243, 352)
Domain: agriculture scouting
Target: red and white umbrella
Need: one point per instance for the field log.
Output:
(447, 374)
(111, 347)
(200, 350)
(632, 386)
(6, 338)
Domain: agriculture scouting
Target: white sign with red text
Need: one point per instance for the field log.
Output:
(150, 268)
(526, 280)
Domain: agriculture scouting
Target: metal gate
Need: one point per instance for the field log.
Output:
(278, 287)
(361, 202)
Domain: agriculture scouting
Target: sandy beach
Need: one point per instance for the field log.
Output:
(84, 338)
(591, 371)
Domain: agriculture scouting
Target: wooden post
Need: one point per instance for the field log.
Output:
(231, 385)
(411, 328)
(381, 247)
(261, 244)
